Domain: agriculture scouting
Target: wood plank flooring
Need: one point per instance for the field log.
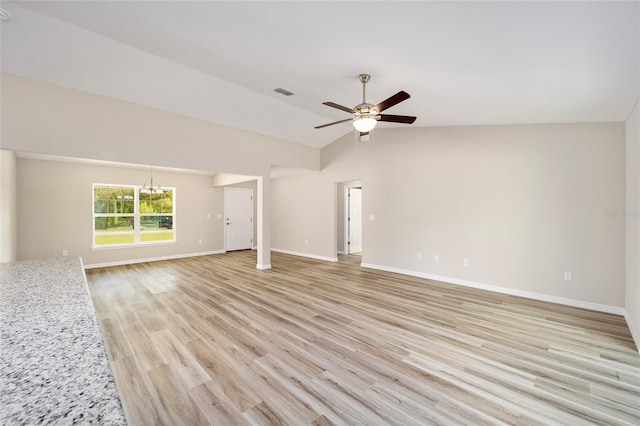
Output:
(212, 340)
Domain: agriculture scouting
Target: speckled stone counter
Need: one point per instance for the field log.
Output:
(54, 368)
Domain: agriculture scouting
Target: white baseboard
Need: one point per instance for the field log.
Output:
(341, 252)
(635, 333)
(263, 267)
(151, 259)
(312, 256)
(537, 296)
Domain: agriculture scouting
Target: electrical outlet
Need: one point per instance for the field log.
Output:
(306, 242)
(218, 216)
(465, 262)
(279, 239)
(208, 216)
(568, 276)
(199, 241)
(418, 255)
(372, 218)
(65, 252)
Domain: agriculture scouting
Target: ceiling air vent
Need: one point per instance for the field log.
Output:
(283, 91)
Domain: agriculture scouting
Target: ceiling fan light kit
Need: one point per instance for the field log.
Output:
(366, 116)
(365, 124)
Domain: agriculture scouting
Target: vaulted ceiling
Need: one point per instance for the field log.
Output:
(464, 63)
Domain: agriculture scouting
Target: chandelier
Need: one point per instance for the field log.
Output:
(151, 188)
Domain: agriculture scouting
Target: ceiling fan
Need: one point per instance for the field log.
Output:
(365, 116)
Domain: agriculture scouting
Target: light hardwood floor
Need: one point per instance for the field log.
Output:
(213, 340)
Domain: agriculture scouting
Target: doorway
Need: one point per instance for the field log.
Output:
(353, 216)
(238, 213)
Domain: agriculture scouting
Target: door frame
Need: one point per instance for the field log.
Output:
(226, 191)
(347, 214)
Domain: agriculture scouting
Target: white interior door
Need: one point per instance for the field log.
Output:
(238, 213)
(354, 220)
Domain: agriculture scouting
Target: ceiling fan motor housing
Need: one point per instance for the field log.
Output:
(366, 110)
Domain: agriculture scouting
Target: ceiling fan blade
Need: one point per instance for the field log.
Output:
(331, 124)
(393, 100)
(397, 118)
(335, 105)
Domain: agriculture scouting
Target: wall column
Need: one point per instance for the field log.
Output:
(264, 222)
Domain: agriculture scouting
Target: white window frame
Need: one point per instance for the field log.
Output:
(137, 229)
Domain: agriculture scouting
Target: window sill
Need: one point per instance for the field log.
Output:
(132, 245)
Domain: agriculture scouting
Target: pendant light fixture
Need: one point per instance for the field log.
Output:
(151, 188)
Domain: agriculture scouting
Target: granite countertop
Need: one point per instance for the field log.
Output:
(54, 368)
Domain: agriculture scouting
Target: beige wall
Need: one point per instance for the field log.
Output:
(523, 203)
(8, 207)
(44, 118)
(55, 210)
(304, 215)
(632, 214)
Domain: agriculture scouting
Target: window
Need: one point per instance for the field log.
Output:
(126, 214)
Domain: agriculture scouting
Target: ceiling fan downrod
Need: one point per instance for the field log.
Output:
(364, 78)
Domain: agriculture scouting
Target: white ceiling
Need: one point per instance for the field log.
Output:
(463, 63)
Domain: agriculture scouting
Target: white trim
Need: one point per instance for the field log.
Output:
(151, 259)
(263, 267)
(347, 215)
(537, 296)
(345, 219)
(312, 256)
(341, 252)
(635, 333)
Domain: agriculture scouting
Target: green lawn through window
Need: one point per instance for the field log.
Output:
(128, 238)
(157, 236)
